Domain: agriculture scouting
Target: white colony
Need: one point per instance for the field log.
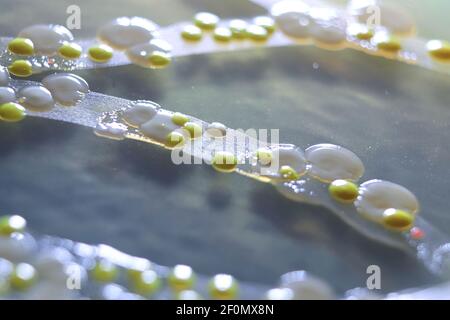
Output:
(376, 196)
(329, 162)
(329, 28)
(140, 53)
(281, 7)
(292, 19)
(152, 121)
(159, 126)
(139, 113)
(294, 24)
(7, 94)
(125, 32)
(216, 130)
(67, 89)
(17, 247)
(47, 38)
(114, 131)
(4, 76)
(36, 98)
(301, 22)
(52, 264)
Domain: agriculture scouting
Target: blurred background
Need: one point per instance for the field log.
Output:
(68, 182)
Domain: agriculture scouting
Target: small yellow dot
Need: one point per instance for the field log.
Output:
(101, 53)
(134, 274)
(11, 224)
(175, 140)
(222, 34)
(181, 277)
(439, 50)
(365, 35)
(360, 31)
(398, 220)
(104, 271)
(23, 276)
(256, 33)
(343, 191)
(21, 68)
(179, 119)
(388, 44)
(70, 50)
(264, 157)
(159, 59)
(193, 129)
(21, 46)
(206, 20)
(191, 33)
(288, 173)
(266, 22)
(238, 27)
(11, 112)
(224, 161)
(146, 283)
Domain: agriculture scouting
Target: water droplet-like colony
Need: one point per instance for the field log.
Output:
(46, 38)
(36, 98)
(125, 32)
(329, 162)
(67, 89)
(152, 54)
(64, 89)
(377, 198)
(4, 76)
(7, 94)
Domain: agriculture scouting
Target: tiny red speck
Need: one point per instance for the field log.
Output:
(417, 233)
